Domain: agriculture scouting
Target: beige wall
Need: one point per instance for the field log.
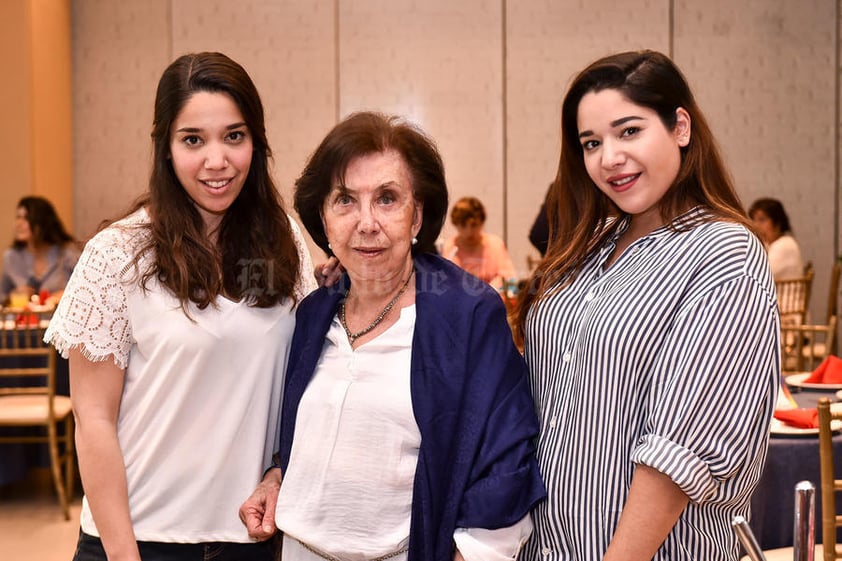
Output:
(15, 111)
(52, 156)
(35, 107)
(484, 77)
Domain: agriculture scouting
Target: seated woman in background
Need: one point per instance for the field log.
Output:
(772, 224)
(482, 254)
(42, 254)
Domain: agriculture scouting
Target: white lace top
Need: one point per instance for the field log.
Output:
(198, 419)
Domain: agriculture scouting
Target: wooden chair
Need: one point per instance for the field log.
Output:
(805, 346)
(28, 403)
(794, 297)
(829, 484)
(832, 302)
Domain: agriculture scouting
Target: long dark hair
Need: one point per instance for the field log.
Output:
(44, 223)
(255, 257)
(580, 214)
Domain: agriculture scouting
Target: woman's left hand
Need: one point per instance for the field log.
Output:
(329, 273)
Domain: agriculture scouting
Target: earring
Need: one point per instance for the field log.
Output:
(329, 246)
(414, 241)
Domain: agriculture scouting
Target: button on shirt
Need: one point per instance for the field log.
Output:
(667, 358)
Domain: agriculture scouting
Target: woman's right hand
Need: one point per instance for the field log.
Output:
(258, 512)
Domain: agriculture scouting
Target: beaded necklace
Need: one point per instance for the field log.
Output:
(354, 336)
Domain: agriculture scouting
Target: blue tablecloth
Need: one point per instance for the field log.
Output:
(790, 460)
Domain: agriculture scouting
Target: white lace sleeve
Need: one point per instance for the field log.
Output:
(92, 315)
(306, 276)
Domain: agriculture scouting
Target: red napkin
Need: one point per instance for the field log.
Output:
(27, 319)
(828, 372)
(801, 418)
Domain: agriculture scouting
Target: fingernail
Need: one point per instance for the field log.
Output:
(267, 528)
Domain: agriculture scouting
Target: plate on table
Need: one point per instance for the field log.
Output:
(779, 428)
(797, 381)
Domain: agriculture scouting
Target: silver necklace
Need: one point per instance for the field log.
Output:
(354, 336)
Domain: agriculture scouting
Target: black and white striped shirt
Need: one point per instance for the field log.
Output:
(670, 359)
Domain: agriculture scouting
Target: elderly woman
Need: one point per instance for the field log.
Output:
(482, 254)
(772, 224)
(407, 424)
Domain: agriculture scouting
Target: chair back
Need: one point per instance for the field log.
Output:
(27, 364)
(833, 294)
(28, 397)
(829, 484)
(805, 346)
(794, 297)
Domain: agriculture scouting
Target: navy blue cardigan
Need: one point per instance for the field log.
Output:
(470, 396)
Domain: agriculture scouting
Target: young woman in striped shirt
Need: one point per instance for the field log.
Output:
(651, 332)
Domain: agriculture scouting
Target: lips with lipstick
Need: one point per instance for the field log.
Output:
(623, 182)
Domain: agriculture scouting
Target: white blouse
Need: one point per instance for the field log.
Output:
(785, 258)
(198, 418)
(348, 488)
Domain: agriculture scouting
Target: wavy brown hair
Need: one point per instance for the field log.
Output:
(581, 216)
(255, 257)
(361, 134)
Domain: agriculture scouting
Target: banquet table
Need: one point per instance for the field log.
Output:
(790, 459)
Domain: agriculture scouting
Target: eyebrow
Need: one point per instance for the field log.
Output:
(228, 128)
(613, 124)
(344, 188)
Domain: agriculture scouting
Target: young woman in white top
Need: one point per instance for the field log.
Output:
(772, 224)
(178, 321)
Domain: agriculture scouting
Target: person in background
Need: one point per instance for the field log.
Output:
(407, 425)
(42, 255)
(539, 233)
(772, 223)
(651, 329)
(482, 254)
(178, 321)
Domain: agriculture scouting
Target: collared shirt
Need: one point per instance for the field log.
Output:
(667, 358)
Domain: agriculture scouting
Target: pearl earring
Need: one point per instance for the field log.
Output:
(329, 246)
(414, 241)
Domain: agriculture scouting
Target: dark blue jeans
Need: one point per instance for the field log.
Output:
(89, 548)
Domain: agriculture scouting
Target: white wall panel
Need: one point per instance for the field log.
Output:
(119, 51)
(548, 42)
(439, 63)
(287, 47)
(763, 72)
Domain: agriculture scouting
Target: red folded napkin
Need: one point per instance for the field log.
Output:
(801, 418)
(828, 372)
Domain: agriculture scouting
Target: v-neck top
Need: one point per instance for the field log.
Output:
(199, 414)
